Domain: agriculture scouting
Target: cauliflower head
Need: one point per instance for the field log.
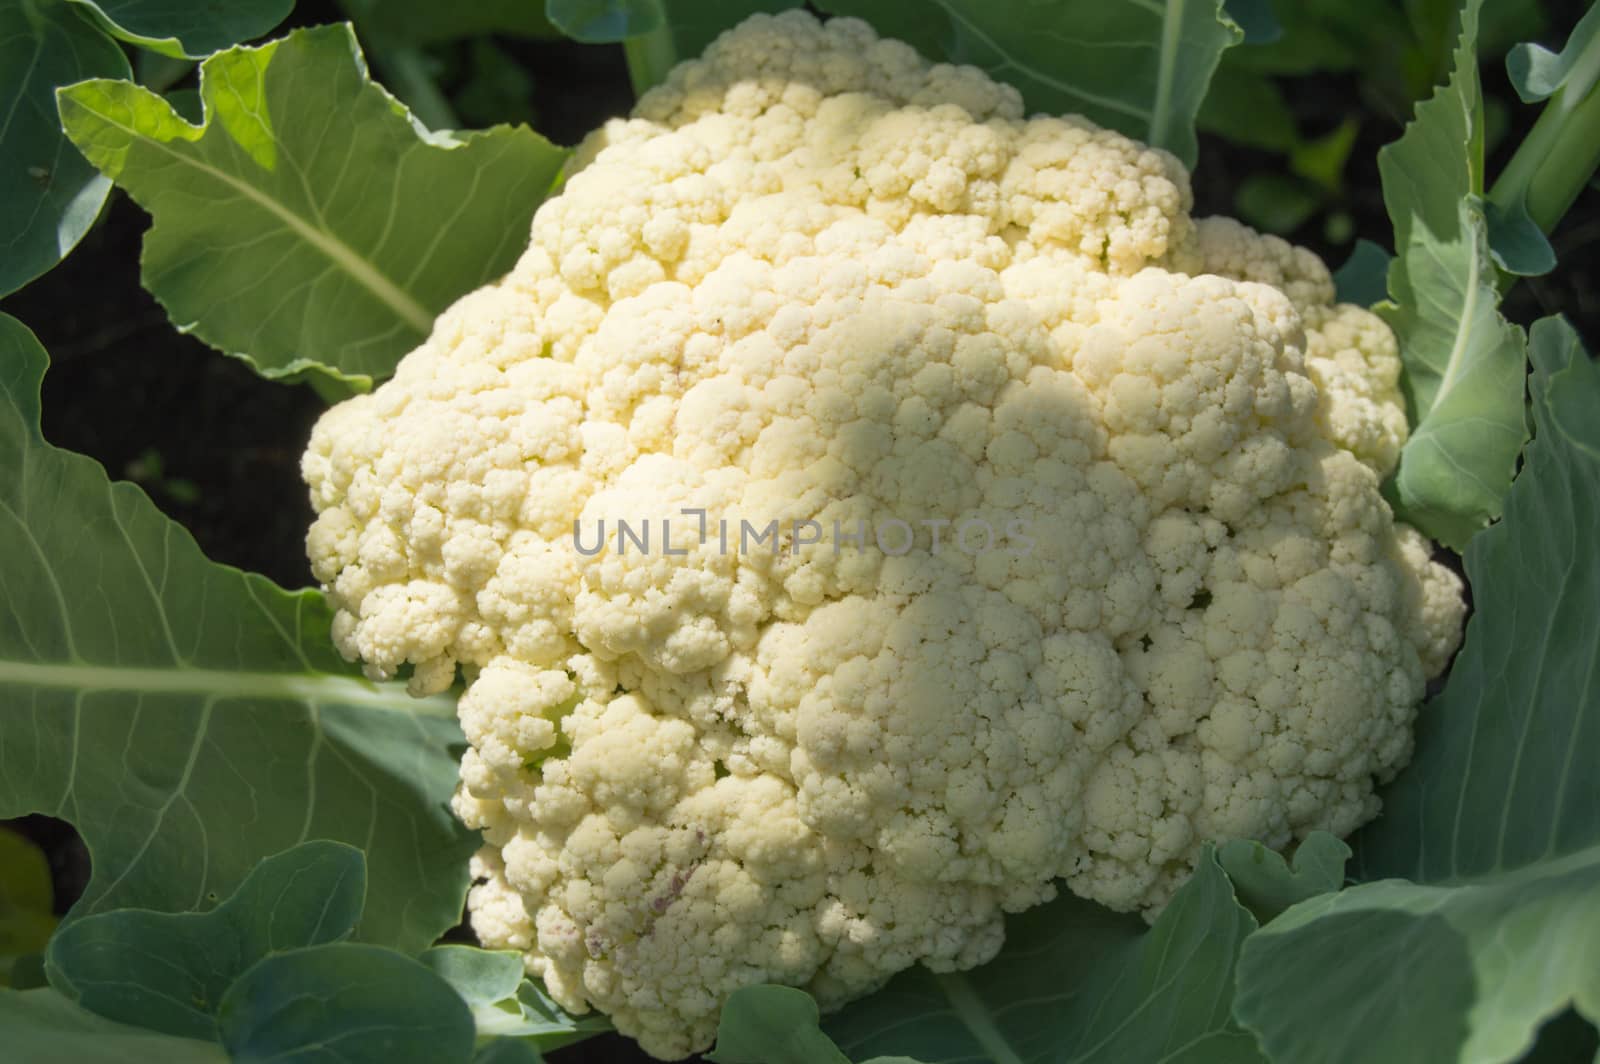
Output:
(989, 523)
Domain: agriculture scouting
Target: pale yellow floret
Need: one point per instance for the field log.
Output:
(1149, 595)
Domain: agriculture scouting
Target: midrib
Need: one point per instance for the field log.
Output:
(220, 683)
(974, 1015)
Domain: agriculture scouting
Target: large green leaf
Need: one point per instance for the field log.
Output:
(309, 223)
(1463, 361)
(691, 24)
(49, 196)
(506, 1005)
(656, 34)
(169, 971)
(1138, 66)
(773, 1025)
(1363, 277)
(344, 1003)
(1248, 108)
(1075, 984)
(186, 28)
(1464, 367)
(429, 22)
(43, 1027)
(1320, 35)
(1266, 884)
(1496, 824)
(190, 719)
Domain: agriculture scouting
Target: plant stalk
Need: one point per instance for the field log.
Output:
(1560, 153)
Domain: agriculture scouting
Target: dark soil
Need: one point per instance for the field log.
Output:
(218, 447)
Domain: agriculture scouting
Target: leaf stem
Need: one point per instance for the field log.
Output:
(1560, 153)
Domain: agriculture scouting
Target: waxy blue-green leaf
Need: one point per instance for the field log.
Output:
(169, 971)
(49, 196)
(185, 28)
(1538, 73)
(773, 1025)
(1248, 108)
(1496, 824)
(1266, 884)
(310, 223)
(1075, 984)
(1134, 65)
(190, 719)
(1362, 279)
(43, 1027)
(1464, 375)
(506, 1005)
(656, 34)
(413, 22)
(1464, 363)
(344, 1003)
(605, 21)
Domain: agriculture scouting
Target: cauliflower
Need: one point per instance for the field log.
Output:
(863, 508)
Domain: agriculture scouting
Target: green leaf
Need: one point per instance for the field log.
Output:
(1464, 381)
(1439, 158)
(691, 25)
(1267, 885)
(1463, 361)
(27, 902)
(1559, 154)
(1256, 18)
(27, 972)
(1133, 65)
(169, 972)
(49, 196)
(1501, 775)
(1323, 160)
(190, 719)
(1317, 35)
(1516, 242)
(1361, 279)
(507, 1051)
(344, 1004)
(504, 1004)
(1538, 73)
(1459, 973)
(657, 34)
(185, 29)
(773, 1025)
(303, 230)
(1248, 108)
(1075, 984)
(42, 1027)
(429, 22)
(1276, 203)
(605, 21)
(480, 976)
(1496, 823)
(158, 72)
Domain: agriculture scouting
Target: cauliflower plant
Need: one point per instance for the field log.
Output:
(1006, 526)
